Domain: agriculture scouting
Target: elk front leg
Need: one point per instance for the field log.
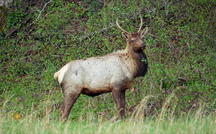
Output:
(119, 98)
(69, 100)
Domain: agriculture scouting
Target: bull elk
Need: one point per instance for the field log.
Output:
(113, 72)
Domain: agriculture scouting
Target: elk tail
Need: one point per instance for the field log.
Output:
(56, 75)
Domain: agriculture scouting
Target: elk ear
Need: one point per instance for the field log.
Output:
(144, 32)
(125, 35)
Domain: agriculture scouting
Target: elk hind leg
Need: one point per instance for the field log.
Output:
(70, 98)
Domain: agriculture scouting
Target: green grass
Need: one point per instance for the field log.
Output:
(181, 76)
(183, 125)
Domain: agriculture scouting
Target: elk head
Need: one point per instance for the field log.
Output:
(134, 40)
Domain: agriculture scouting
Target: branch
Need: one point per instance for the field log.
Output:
(40, 12)
(26, 21)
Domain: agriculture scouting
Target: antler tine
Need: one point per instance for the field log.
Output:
(141, 23)
(120, 26)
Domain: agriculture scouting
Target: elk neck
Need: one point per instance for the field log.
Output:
(138, 61)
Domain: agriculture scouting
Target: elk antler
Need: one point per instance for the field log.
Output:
(141, 23)
(120, 26)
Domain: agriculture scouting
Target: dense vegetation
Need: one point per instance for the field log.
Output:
(39, 37)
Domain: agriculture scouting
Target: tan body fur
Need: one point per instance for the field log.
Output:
(113, 72)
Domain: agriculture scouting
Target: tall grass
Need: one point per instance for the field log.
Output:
(185, 125)
(181, 77)
(163, 122)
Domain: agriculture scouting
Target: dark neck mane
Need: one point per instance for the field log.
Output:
(140, 61)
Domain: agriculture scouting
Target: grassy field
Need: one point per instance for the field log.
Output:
(38, 37)
(183, 125)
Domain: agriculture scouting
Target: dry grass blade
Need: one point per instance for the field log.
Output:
(140, 108)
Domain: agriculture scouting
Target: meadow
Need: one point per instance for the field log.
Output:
(177, 95)
(191, 124)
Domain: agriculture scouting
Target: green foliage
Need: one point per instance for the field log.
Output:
(15, 17)
(181, 54)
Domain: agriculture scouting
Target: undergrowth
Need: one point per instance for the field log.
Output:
(193, 124)
(36, 40)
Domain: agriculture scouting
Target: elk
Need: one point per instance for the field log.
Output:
(113, 72)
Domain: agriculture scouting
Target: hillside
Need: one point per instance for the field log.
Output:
(39, 37)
